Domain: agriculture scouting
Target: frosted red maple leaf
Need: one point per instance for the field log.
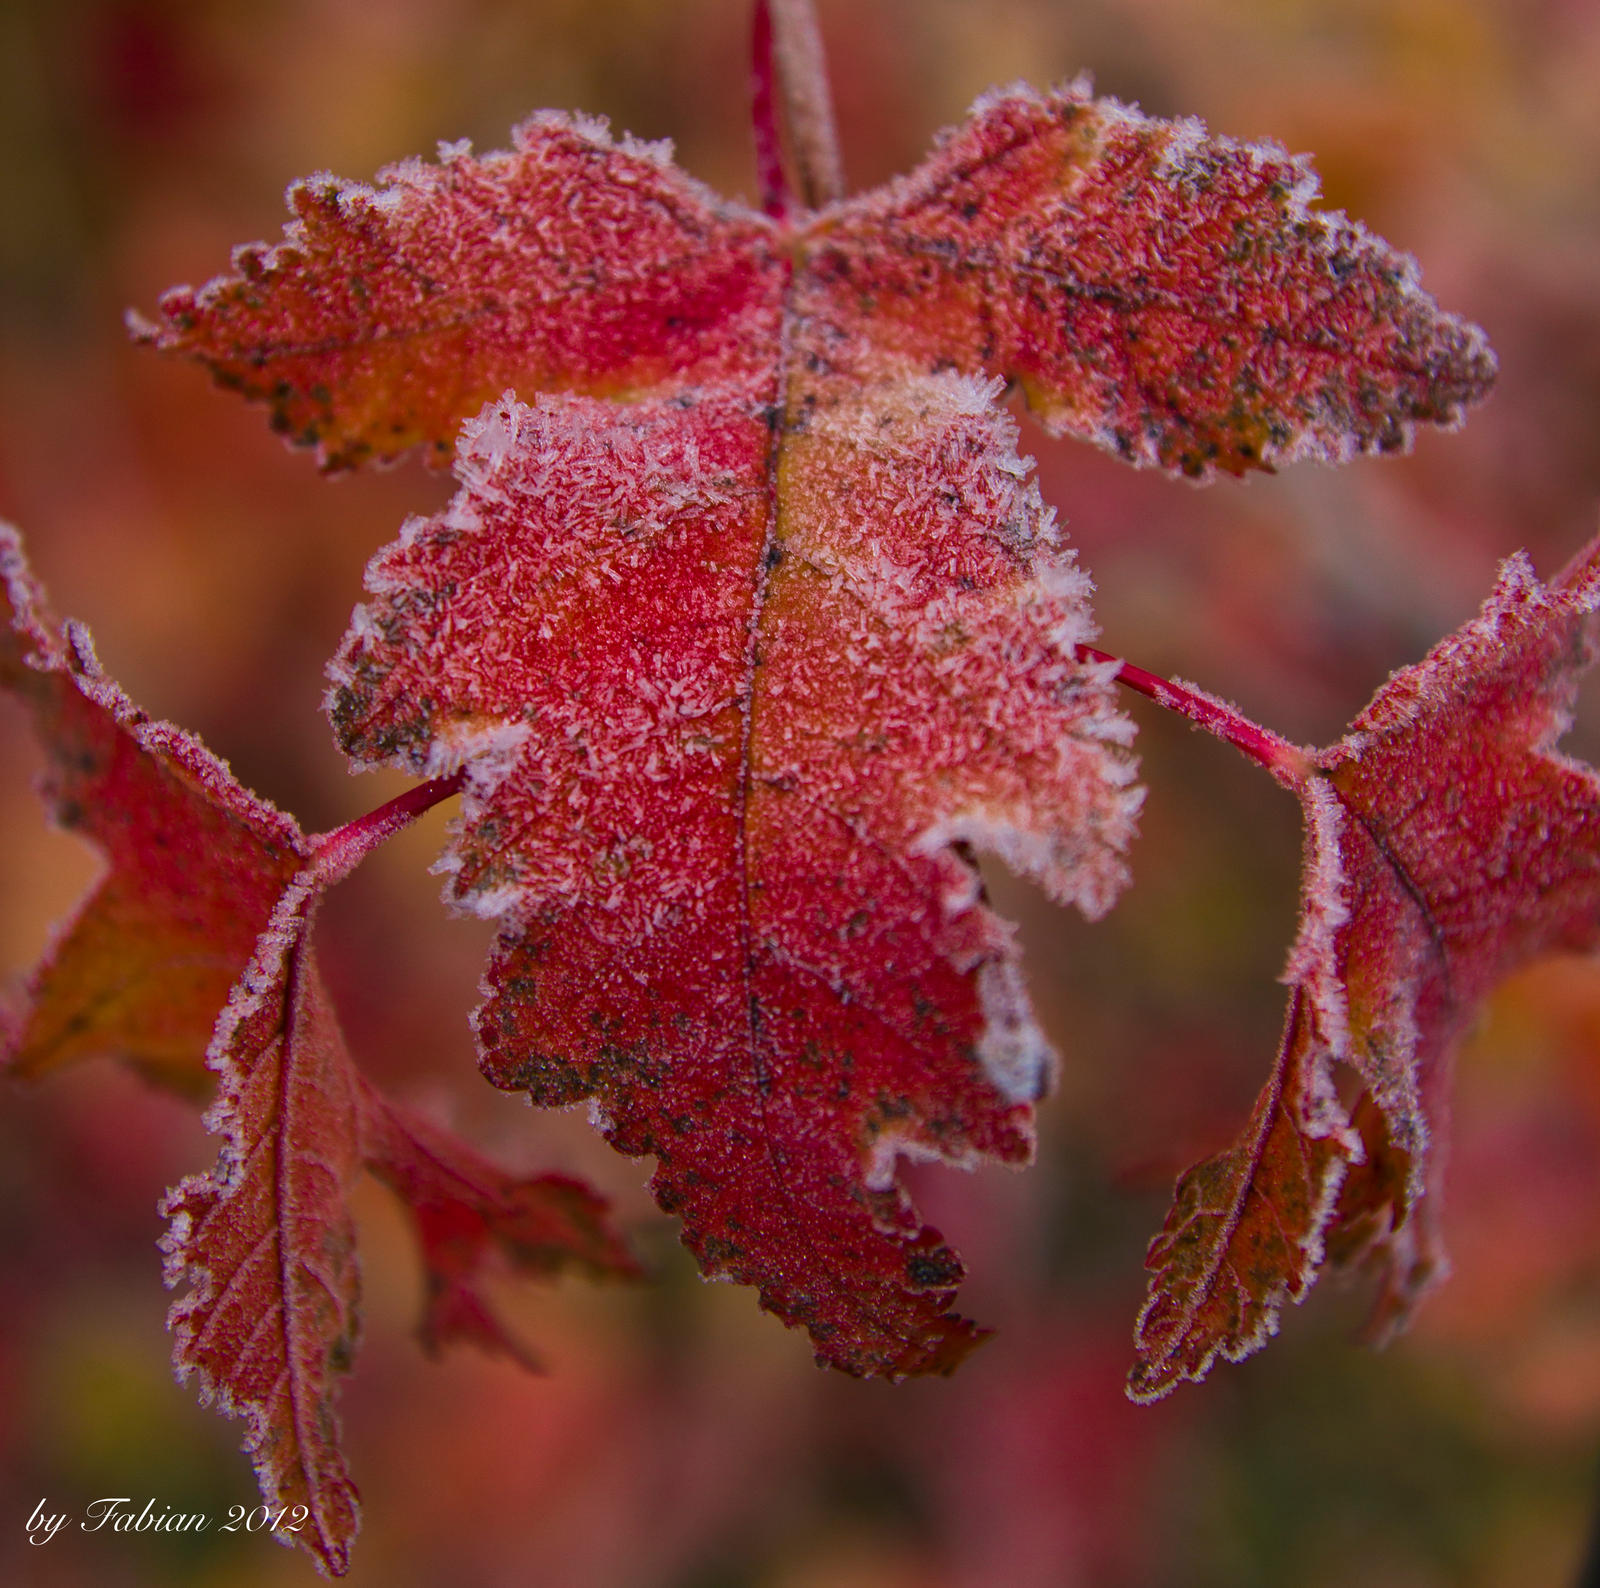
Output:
(748, 625)
(1447, 845)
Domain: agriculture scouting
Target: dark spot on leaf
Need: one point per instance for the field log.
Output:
(938, 1269)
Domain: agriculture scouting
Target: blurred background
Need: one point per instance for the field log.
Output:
(682, 1439)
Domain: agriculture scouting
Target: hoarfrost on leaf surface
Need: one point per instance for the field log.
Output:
(748, 622)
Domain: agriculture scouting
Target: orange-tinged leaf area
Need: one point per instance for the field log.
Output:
(1245, 1227)
(194, 862)
(1168, 295)
(1449, 844)
(748, 625)
(570, 263)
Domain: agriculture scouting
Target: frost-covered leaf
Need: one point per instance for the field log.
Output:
(387, 317)
(1167, 294)
(197, 864)
(749, 627)
(266, 1239)
(1448, 844)
(736, 911)
(267, 1242)
(194, 861)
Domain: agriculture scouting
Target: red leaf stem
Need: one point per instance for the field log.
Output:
(339, 853)
(802, 78)
(776, 199)
(1288, 763)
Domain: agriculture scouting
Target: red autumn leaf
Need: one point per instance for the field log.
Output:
(388, 317)
(766, 963)
(268, 1243)
(195, 862)
(1168, 295)
(748, 627)
(1448, 844)
(267, 1240)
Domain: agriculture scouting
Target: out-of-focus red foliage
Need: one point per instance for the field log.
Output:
(679, 1439)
